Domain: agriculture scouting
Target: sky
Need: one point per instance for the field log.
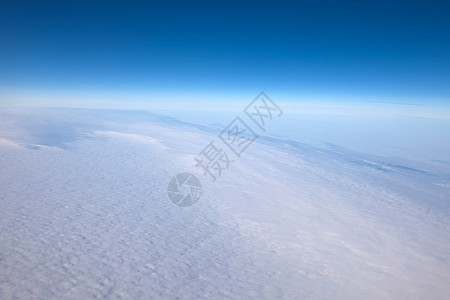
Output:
(100, 53)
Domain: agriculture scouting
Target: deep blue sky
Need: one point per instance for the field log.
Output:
(343, 50)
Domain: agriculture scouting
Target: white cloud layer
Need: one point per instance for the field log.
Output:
(85, 214)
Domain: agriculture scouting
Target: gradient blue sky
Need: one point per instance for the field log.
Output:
(60, 52)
